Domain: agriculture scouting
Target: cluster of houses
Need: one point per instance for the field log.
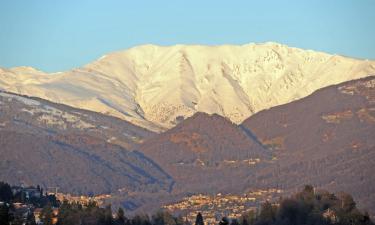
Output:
(23, 207)
(83, 199)
(21, 212)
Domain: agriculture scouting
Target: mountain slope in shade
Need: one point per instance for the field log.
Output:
(155, 86)
(326, 139)
(56, 145)
(60, 118)
(205, 153)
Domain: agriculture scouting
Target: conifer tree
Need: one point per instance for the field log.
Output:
(120, 218)
(199, 219)
(4, 214)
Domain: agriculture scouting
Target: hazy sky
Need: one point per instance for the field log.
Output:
(54, 35)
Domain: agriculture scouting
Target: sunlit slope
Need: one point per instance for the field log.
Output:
(155, 87)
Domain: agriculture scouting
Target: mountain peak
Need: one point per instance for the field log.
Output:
(155, 86)
(204, 115)
(25, 69)
(205, 120)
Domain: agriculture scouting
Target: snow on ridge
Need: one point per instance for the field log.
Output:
(152, 85)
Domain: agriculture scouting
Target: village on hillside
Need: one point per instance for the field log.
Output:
(214, 207)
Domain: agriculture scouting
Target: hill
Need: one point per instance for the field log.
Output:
(58, 146)
(206, 153)
(326, 139)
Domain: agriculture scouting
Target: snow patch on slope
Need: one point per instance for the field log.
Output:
(47, 114)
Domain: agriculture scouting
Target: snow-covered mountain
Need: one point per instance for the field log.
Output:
(156, 87)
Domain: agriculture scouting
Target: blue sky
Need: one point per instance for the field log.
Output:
(56, 35)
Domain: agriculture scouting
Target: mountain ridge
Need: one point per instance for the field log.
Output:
(151, 86)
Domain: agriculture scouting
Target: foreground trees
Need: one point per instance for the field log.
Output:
(5, 192)
(76, 214)
(4, 214)
(311, 207)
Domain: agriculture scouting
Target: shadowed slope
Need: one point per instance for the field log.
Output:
(55, 145)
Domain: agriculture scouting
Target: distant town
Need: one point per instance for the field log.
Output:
(214, 207)
(33, 206)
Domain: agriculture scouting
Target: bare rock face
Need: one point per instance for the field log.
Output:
(326, 139)
(153, 86)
